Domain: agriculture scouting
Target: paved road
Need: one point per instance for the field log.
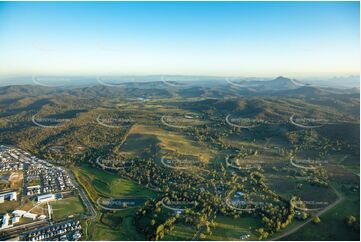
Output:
(83, 196)
(86, 200)
(332, 205)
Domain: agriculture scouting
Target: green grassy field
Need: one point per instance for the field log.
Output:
(175, 141)
(66, 207)
(115, 226)
(139, 145)
(105, 184)
(9, 206)
(332, 225)
(180, 232)
(287, 188)
(111, 226)
(228, 228)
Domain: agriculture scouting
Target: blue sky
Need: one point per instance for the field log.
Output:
(189, 38)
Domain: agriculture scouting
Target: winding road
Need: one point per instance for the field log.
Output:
(339, 199)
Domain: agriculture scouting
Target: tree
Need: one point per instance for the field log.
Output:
(160, 232)
(350, 220)
(316, 220)
(202, 236)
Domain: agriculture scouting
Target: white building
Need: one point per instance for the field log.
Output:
(76, 235)
(33, 216)
(5, 221)
(14, 156)
(18, 213)
(7, 195)
(46, 198)
(15, 220)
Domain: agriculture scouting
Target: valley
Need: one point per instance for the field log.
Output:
(266, 160)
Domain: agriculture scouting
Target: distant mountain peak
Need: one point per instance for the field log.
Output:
(288, 81)
(281, 78)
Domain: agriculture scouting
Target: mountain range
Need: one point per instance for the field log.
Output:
(280, 86)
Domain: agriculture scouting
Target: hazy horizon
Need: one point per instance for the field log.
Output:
(351, 81)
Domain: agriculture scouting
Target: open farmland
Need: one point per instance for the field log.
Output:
(170, 168)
